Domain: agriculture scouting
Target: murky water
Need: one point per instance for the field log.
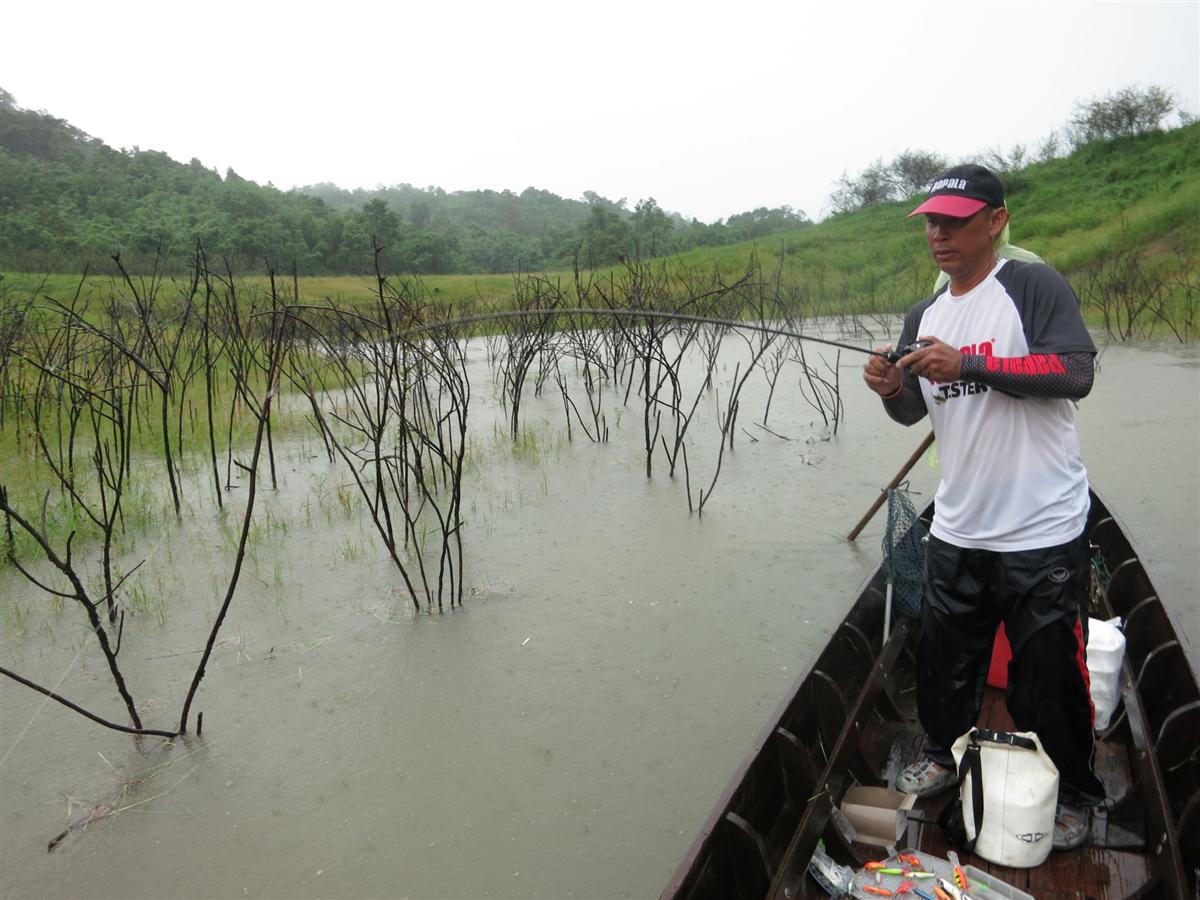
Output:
(561, 735)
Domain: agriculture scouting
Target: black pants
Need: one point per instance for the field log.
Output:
(1041, 596)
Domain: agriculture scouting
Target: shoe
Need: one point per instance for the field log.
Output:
(926, 778)
(1072, 826)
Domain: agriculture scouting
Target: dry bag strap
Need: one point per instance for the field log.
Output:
(971, 764)
(1002, 737)
(951, 823)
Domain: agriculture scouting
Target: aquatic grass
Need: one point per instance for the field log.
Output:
(14, 615)
(532, 444)
(347, 500)
(143, 600)
(272, 523)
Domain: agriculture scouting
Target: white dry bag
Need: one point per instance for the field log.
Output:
(1008, 790)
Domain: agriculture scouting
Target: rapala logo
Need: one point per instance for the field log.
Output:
(1032, 837)
(949, 184)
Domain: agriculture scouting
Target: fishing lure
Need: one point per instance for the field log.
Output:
(951, 892)
(882, 892)
(960, 877)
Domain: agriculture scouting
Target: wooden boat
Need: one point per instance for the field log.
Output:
(851, 719)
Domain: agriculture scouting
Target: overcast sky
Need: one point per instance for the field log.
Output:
(711, 109)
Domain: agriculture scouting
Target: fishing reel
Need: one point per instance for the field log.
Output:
(897, 353)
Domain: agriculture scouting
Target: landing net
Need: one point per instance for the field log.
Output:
(904, 542)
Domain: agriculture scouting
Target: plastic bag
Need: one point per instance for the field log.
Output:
(1105, 652)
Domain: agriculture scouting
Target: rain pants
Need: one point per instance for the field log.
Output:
(1041, 596)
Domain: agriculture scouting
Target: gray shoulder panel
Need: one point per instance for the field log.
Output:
(1048, 308)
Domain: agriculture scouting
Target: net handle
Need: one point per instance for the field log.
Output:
(895, 482)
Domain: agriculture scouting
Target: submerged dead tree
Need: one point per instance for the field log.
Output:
(587, 346)
(399, 424)
(211, 348)
(151, 342)
(100, 373)
(107, 415)
(529, 343)
(99, 388)
(1134, 302)
(266, 348)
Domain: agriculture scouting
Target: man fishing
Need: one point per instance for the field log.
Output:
(1006, 351)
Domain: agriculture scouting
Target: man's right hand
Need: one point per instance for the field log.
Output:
(880, 375)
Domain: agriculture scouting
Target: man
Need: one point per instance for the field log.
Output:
(1007, 353)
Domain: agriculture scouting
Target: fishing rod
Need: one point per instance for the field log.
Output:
(892, 356)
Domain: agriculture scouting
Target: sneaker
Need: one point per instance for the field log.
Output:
(925, 778)
(1072, 825)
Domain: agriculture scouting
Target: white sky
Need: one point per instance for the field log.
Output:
(711, 109)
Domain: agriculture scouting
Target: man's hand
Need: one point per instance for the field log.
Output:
(880, 375)
(938, 362)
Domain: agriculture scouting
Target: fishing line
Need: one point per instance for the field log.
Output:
(890, 355)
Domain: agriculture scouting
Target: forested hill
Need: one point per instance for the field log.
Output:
(67, 200)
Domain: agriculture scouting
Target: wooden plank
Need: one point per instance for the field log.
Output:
(994, 714)
(1092, 872)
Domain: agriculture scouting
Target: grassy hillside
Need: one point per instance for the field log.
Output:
(1133, 198)
(1137, 196)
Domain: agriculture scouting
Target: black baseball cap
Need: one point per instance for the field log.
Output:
(962, 191)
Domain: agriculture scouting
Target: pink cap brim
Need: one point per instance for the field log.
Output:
(950, 205)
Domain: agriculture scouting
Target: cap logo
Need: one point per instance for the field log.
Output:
(953, 184)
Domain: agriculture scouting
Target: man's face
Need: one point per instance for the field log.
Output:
(961, 247)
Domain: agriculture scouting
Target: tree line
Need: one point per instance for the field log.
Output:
(1128, 112)
(68, 199)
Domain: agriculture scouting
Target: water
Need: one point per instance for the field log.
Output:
(565, 732)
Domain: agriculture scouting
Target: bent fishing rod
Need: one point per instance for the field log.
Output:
(892, 355)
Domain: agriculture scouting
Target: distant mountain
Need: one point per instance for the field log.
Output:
(67, 200)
